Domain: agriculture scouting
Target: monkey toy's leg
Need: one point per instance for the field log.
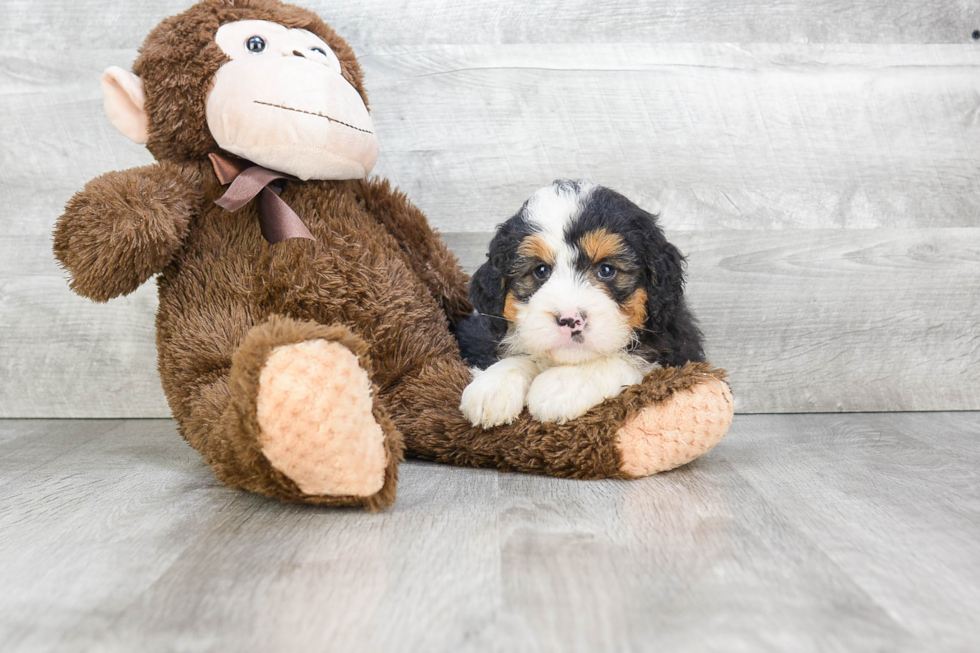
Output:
(294, 418)
(668, 420)
(299, 419)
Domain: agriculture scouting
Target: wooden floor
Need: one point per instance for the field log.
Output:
(836, 532)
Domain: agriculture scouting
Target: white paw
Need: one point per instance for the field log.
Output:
(561, 394)
(566, 392)
(494, 397)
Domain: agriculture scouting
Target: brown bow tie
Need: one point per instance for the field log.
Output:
(248, 181)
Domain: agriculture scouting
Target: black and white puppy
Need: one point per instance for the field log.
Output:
(580, 297)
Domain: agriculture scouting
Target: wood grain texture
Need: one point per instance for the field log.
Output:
(69, 357)
(766, 147)
(805, 533)
(870, 478)
(378, 22)
(959, 439)
(714, 136)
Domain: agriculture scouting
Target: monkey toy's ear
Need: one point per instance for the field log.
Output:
(124, 98)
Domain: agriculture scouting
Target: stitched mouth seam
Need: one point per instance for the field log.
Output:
(310, 113)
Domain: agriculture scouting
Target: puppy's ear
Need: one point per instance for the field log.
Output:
(666, 269)
(671, 329)
(487, 290)
(488, 287)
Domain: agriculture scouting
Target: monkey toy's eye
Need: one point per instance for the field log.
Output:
(319, 51)
(541, 272)
(606, 272)
(255, 44)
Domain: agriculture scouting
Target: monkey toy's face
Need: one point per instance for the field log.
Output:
(280, 101)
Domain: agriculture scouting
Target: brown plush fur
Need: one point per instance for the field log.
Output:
(126, 227)
(377, 280)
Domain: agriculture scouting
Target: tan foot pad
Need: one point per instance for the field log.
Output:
(316, 426)
(677, 431)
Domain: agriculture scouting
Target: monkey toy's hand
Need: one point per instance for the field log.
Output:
(125, 226)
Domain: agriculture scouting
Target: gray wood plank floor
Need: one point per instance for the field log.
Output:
(836, 532)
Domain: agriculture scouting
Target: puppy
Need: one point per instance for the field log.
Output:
(581, 296)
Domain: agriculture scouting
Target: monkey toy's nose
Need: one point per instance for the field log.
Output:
(297, 53)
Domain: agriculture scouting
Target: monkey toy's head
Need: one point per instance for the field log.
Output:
(266, 81)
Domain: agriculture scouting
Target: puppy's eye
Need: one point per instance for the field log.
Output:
(541, 272)
(319, 51)
(606, 272)
(255, 44)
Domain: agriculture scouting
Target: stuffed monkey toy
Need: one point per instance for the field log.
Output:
(305, 320)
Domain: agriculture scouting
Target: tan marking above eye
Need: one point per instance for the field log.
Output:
(635, 308)
(601, 244)
(535, 247)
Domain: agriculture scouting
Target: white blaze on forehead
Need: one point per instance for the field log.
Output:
(551, 210)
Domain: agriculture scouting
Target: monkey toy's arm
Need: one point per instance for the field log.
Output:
(125, 226)
(427, 253)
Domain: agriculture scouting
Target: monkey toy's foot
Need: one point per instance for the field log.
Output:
(316, 426)
(304, 424)
(677, 430)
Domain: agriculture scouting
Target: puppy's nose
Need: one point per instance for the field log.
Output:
(573, 321)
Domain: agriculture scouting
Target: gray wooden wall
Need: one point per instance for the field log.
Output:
(818, 161)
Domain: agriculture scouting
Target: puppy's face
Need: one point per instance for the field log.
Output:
(574, 275)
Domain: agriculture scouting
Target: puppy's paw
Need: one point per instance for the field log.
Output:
(494, 397)
(562, 393)
(566, 392)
